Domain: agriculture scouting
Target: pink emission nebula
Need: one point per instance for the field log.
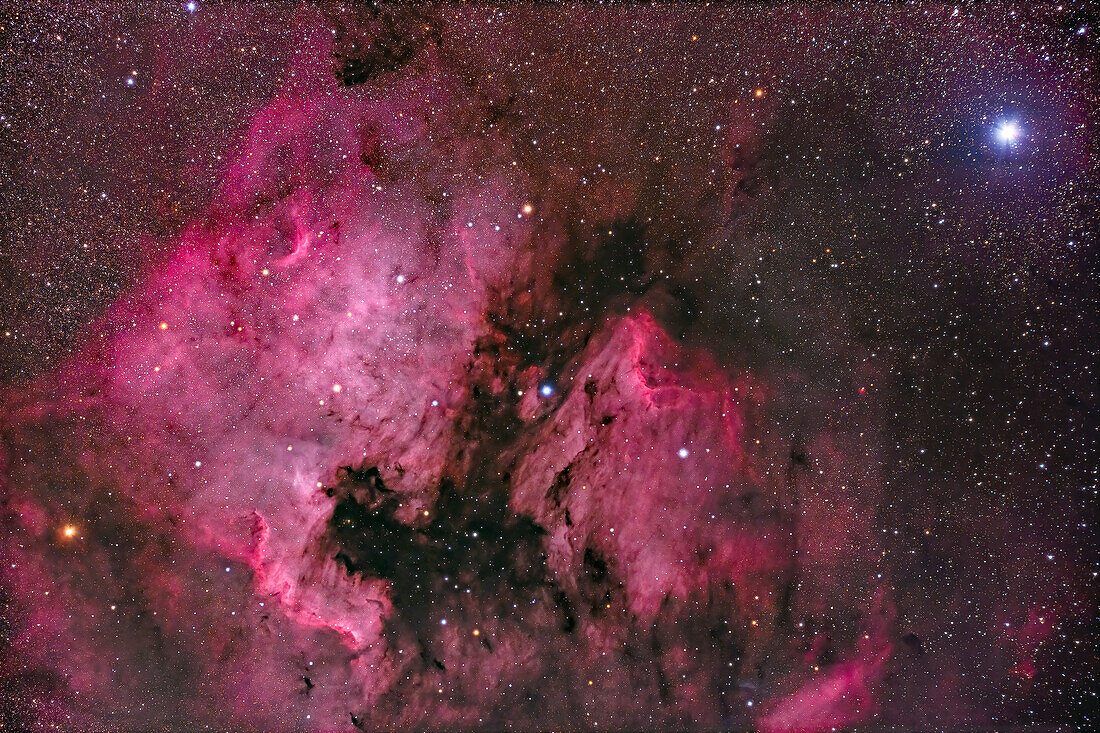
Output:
(549, 367)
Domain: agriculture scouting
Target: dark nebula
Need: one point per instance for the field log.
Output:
(547, 367)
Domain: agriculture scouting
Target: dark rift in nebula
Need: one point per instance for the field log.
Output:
(461, 545)
(374, 367)
(371, 41)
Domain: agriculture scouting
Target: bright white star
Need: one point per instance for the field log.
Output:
(1008, 132)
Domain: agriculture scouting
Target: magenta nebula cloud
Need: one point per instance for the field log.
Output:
(547, 367)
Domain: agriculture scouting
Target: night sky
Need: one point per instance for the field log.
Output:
(547, 367)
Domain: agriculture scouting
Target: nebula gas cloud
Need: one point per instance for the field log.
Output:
(547, 367)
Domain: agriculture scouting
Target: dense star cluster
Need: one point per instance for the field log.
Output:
(547, 367)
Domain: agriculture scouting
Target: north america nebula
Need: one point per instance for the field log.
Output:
(547, 367)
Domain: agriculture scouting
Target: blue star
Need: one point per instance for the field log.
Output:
(1008, 132)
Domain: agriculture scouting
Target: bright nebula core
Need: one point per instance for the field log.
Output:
(547, 367)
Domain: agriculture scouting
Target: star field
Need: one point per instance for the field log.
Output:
(630, 367)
